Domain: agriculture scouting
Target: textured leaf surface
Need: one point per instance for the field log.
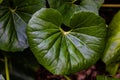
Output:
(112, 50)
(14, 16)
(62, 50)
(68, 7)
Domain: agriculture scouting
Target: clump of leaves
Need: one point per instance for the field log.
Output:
(67, 37)
(68, 7)
(14, 16)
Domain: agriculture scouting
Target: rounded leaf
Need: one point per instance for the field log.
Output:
(14, 16)
(66, 49)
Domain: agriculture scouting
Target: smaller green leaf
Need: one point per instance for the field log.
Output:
(91, 3)
(68, 7)
(99, 77)
(112, 50)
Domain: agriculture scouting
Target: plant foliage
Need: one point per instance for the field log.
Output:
(65, 37)
(68, 7)
(14, 16)
(66, 49)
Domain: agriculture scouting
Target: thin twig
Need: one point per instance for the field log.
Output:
(67, 77)
(111, 5)
(6, 69)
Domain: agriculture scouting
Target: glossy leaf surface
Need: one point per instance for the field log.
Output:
(112, 50)
(14, 16)
(66, 49)
(68, 7)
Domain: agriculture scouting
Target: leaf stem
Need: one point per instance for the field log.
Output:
(6, 69)
(111, 5)
(13, 10)
(65, 33)
(67, 77)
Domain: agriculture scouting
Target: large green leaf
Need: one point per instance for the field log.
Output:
(66, 49)
(14, 16)
(68, 7)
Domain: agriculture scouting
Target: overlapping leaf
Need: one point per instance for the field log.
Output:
(112, 50)
(66, 49)
(56, 4)
(14, 15)
(68, 7)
